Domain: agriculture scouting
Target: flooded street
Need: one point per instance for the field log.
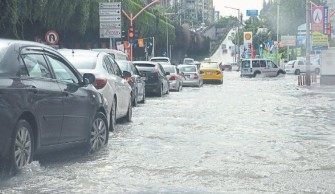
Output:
(258, 135)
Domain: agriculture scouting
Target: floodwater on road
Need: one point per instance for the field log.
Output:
(249, 135)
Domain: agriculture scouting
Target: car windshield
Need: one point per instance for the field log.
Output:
(159, 60)
(187, 69)
(246, 64)
(170, 69)
(209, 65)
(290, 63)
(145, 67)
(82, 61)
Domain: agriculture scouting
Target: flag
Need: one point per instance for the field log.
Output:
(140, 42)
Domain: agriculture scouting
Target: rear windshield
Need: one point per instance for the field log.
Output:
(188, 61)
(169, 69)
(246, 64)
(209, 65)
(82, 61)
(145, 67)
(160, 60)
(187, 69)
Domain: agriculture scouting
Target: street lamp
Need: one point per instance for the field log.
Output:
(167, 34)
(238, 33)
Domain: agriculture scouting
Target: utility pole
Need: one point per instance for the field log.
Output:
(238, 33)
(131, 18)
(277, 47)
(308, 47)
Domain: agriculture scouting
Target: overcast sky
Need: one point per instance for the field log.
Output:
(243, 5)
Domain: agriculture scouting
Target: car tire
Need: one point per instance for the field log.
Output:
(135, 99)
(129, 114)
(99, 133)
(221, 82)
(112, 123)
(256, 73)
(23, 144)
(143, 98)
(297, 72)
(160, 92)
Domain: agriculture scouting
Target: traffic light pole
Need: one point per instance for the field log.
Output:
(131, 19)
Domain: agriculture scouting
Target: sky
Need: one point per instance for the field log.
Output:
(243, 5)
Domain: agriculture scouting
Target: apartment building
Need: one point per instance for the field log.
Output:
(199, 11)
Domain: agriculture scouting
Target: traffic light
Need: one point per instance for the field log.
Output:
(131, 32)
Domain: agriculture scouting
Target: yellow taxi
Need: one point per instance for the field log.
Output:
(211, 71)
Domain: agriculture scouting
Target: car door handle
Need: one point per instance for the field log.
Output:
(65, 93)
(33, 89)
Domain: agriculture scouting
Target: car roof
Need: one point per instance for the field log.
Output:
(80, 52)
(147, 62)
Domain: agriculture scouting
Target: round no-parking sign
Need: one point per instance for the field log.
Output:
(51, 37)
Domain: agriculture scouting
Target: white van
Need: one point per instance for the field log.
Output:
(264, 67)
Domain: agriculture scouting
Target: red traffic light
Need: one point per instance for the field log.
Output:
(131, 32)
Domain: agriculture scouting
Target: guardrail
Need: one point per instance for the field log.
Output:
(302, 79)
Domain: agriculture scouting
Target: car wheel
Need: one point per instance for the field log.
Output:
(221, 82)
(112, 124)
(297, 72)
(256, 73)
(143, 99)
(317, 71)
(99, 133)
(160, 92)
(21, 151)
(129, 115)
(135, 99)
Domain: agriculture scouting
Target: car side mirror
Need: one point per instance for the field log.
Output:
(88, 78)
(126, 74)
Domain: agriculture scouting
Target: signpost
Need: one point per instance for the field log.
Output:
(252, 12)
(110, 20)
(52, 37)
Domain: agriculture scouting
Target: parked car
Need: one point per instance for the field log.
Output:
(110, 80)
(226, 66)
(299, 66)
(191, 74)
(188, 61)
(161, 60)
(211, 72)
(155, 78)
(175, 79)
(45, 104)
(263, 67)
(137, 83)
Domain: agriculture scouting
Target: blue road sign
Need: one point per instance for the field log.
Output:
(252, 12)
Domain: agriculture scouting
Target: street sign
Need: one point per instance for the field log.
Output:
(110, 20)
(108, 32)
(288, 40)
(51, 37)
(252, 12)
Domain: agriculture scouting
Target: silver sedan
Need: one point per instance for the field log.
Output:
(176, 80)
(191, 74)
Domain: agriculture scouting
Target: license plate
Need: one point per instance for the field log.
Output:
(208, 73)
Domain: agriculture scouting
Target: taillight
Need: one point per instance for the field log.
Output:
(218, 72)
(173, 78)
(196, 76)
(100, 83)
